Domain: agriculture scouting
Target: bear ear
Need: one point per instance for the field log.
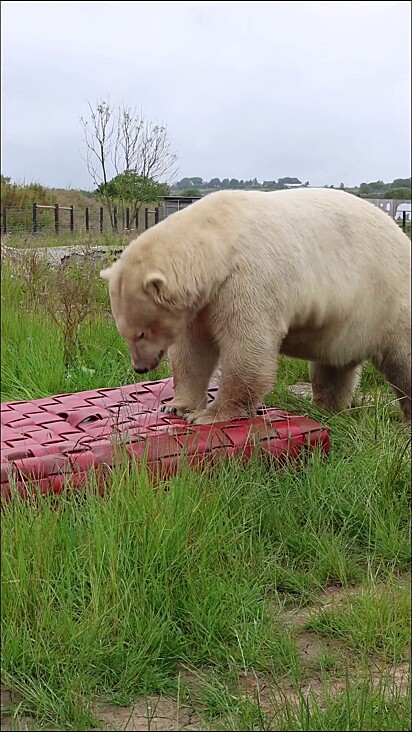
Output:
(154, 285)
(106, 274)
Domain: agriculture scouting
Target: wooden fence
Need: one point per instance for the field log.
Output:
(38, 219)
(56, 219)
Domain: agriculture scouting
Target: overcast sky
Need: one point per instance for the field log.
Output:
(317, 90)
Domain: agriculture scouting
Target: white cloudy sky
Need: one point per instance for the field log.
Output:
(317, 90)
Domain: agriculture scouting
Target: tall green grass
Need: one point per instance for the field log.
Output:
(111, 597)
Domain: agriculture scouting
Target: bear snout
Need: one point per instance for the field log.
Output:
(153, 365)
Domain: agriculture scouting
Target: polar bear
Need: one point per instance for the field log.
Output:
(241, 276)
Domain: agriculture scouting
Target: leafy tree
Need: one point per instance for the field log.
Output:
(377, 186)
(132, 190)
(401, 183)
(284, 181)
(214, 183)
(187, 183)
(184, 183)
(403, 194)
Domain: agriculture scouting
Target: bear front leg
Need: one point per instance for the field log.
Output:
(193, 359)
(247, 376)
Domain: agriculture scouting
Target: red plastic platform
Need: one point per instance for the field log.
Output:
(47, 441)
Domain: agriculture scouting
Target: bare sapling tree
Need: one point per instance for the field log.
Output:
(99, 139)
(127, 156)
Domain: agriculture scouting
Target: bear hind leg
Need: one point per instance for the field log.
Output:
(333, 387)
(395, 365)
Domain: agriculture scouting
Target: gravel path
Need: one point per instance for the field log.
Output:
(57, 255)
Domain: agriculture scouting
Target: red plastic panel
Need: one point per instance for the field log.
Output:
(47, 441)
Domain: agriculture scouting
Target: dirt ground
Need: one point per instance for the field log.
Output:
(164, 714)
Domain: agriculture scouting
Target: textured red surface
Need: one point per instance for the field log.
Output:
(46, 441)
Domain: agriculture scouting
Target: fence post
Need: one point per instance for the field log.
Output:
(35, 223)
(146, 218)
(157, 215)
(56, 218)
(101, 214)
(86, 211)
(5, 220)
(127, 219)
(115, 218)
(404, 220)
(72, 218)
(137, 220)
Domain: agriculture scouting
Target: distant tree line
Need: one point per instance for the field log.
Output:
(399, 188)
(188, 184)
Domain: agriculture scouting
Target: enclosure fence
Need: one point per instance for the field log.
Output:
(55, 219)
(40, 219)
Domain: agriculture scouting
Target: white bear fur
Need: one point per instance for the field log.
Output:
(241, 276)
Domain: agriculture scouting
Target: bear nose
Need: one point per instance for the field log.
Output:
(140, 371)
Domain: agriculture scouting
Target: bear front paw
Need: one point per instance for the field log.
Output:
(203, 416)
(212, 416)
(176, 408)
(208, 416)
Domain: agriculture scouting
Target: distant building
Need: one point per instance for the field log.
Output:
(171, 204)
(393, 207)
(406, 206)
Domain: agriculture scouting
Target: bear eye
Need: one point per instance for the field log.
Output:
(140, 336)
